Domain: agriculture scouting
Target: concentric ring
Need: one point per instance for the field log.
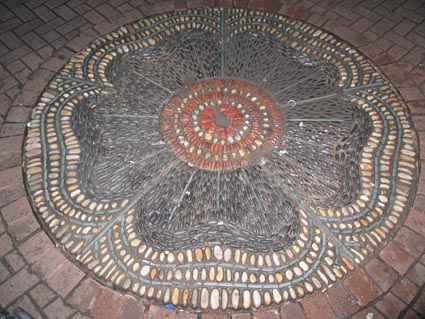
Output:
(221, 124)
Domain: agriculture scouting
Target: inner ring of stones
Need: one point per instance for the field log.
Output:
(221, 124)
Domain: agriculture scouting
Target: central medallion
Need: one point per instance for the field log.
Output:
(221, 124)
(220, 159)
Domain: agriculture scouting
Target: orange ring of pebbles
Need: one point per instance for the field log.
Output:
(221, 124)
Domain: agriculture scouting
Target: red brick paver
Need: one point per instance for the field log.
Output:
(318, 304)
(362, 288)
(397, 257)
(38, 37)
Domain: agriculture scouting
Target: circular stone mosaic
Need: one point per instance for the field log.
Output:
(220, 159)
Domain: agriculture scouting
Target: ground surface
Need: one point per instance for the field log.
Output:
(38, 37)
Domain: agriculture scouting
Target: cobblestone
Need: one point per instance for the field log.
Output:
(16, 286)
(395, 256)
(58, 310)
(362, 288)
(390, 306)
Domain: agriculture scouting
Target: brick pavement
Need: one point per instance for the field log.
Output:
(36, 39)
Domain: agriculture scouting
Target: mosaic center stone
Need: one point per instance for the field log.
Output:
(221, 124)
(220, 159)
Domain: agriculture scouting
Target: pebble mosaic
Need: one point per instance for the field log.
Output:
(220, 159)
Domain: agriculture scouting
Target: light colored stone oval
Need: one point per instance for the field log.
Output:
(235, 298)
(220, 274)
(218, 252)
(267, 298)
(256, 298)
(215, 299)
(227, 254)
(246, 299)
(205, 295)
(224, 299)
(145, 270)
(175, 297)
(277, 297)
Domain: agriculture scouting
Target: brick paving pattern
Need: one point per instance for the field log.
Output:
(38, 37)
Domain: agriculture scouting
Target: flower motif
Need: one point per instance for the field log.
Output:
(243, 155)
(220, 158)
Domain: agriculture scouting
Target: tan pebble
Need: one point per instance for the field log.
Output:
(308, 286)
(260, 261)
(292, 293)
(256, 298)
(218, 253)
(212, 274)
(235, 298)
(185, 297)
(224, 299)
(176, 295)
(189, 255)
(330, 274)
(300, 291)
(145, 270)
(171, 258)
(135, 242)
(246, 299)
(215, 299)
(194, 298)
(237, 255)
(289, 274)
(148, 252)
(227, 254)
(323, 277)
(338, 272)
(159, 293)
(279, 277)
(208, 253)
(151, 292)
(220, 274)
(276, 259)
(198, 254)
(126, 284)
(316, 282)
(298, 272)
(203, 274)
(136, 267)
(252, 259)
(142, 291)
(277, 297)
(285, 295)
(135, 287)
(347, 263)
(153, 273)
(180, 257)
(252, 278)
(268, 260)
(304, 265)
(178, 274)
(161, 274)
(381, 233)
(205, 295)
(229, 275)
